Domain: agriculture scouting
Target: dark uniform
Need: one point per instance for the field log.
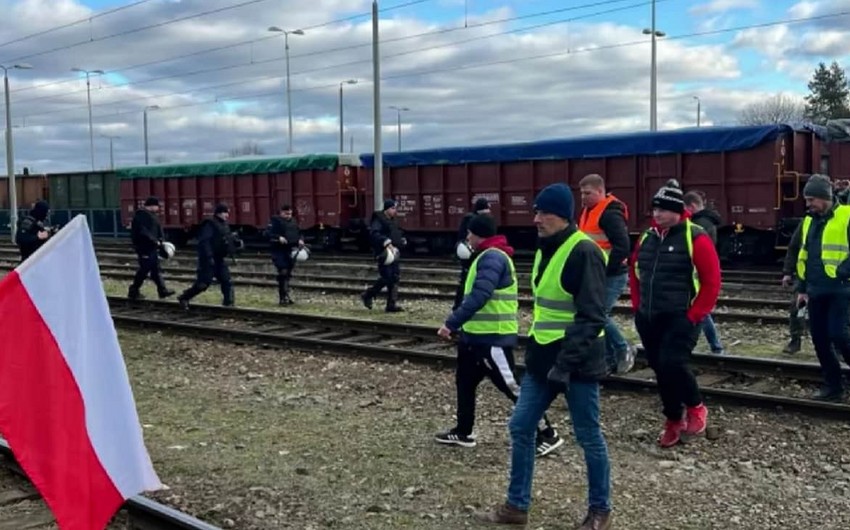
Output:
(482, 207)
(147, 237)
(215, 243)
(281, 253)
(30, 226)
(384, 231)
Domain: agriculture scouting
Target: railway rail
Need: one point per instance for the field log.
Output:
(139, 513)
(746, 381)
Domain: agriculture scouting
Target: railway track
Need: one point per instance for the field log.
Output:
(740, 380)
(138, 513)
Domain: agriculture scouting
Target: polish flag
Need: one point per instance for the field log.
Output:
(66, 407)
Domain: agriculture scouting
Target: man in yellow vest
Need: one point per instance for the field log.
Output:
(487, 320)
(565, 354)
(603, 218)
(823, 272)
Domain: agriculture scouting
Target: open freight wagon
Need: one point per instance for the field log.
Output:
(751, 175)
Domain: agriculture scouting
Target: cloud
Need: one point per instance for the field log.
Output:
(722, 6)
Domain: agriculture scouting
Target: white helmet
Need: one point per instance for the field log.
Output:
(464, 251)
(300, 254)
(389, 255)
(167, 250)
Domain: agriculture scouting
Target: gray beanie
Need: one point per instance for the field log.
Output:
(818, 186)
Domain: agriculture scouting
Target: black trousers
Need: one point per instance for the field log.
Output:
(219, 270)
(464, 271)
(668, 340)
(474, 363)
(284, 264)
(796, 325)
(388, 276)
(828, 326)
(148, 266)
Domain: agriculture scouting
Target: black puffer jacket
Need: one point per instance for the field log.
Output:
(215, 241)
(286, 228)
(382, 228)
(145, 231)
(709, 220)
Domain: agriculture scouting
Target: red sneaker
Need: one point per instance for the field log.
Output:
(672, 433)
(697, 418)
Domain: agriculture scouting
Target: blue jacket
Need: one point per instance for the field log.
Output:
(492, 272)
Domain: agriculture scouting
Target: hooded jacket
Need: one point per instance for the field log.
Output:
(709, 220)
(492, 272)
(29, 227)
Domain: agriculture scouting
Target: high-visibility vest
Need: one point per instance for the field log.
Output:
(589, 221)
(834, 245)
(553, 306)
(690, 229)
(499, 314)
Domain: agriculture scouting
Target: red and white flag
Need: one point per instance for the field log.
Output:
(66, 407)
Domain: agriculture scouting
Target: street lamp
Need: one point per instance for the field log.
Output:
(288, 91)
(10, 157)
(111, 155)
(653, 91)
(399, 110)
(145, 122)
(88, 95)
(341, 121)
(699, 103)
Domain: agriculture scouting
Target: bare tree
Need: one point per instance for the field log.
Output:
(780, 108)
(247, 148)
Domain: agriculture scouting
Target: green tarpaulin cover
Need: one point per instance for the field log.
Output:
(241, 166)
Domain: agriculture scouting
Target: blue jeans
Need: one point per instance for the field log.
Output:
(711, 333)
(615, 343)
(535, 396)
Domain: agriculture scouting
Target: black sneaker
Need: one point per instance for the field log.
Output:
(184, 304)
(793, 346)
(166, 293)
(135, 295)
(453, 438)
(367, 300)
(829, 394)
(547, 444)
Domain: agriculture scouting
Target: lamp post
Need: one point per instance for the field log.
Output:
(699, 104)
(288, 91)
(653, 89)
(10, 157)
(341, 118)
(88, 96)
(399, 110)
(378, 171)
(145, 126)
(111, 155)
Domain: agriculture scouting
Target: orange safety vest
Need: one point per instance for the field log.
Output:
(589, 221)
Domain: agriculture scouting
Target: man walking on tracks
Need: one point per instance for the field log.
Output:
(565, 354)
(284, 236)
(709, 220)
(796, 323)
(481, 207)
(603, 218)
(147, 237)
(215, 244)
(674, 285)
(488, 326)
(33, 231)
(387, 240)
(823, 272)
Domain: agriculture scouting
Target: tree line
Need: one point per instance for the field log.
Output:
(828, 98)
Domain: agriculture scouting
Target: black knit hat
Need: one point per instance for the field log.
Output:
(818, 186)
(221, 208)
(670, 197)
(389, 203)
(151, 201)
(482, 226)
(481, 204)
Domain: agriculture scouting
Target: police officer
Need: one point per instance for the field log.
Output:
(147, 237)
(33, 230)
(386, 237)
(284, 236)
(823, 272)
(481, 207)
(215, 244)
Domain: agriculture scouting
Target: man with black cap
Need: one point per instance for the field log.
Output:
(33, 230)
(487, 325)
(387, 238)
(284, 236)
(565, 354)
(674, 282)
(481, 207)
(823, 278)
(147, 236)
(215, 244)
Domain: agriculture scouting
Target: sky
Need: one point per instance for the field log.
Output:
(471, 72)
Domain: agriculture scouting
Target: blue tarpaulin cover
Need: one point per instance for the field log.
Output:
(690, 140)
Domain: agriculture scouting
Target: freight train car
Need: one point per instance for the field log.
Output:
(320, 188)
(751, 175)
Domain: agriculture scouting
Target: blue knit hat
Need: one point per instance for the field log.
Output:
(556, 199)
(389, 203)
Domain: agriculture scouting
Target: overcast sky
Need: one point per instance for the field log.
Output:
(474, 72)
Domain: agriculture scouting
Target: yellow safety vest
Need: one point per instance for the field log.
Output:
(834, 245)
(689, 241)
(499, 314)
(553, 306)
